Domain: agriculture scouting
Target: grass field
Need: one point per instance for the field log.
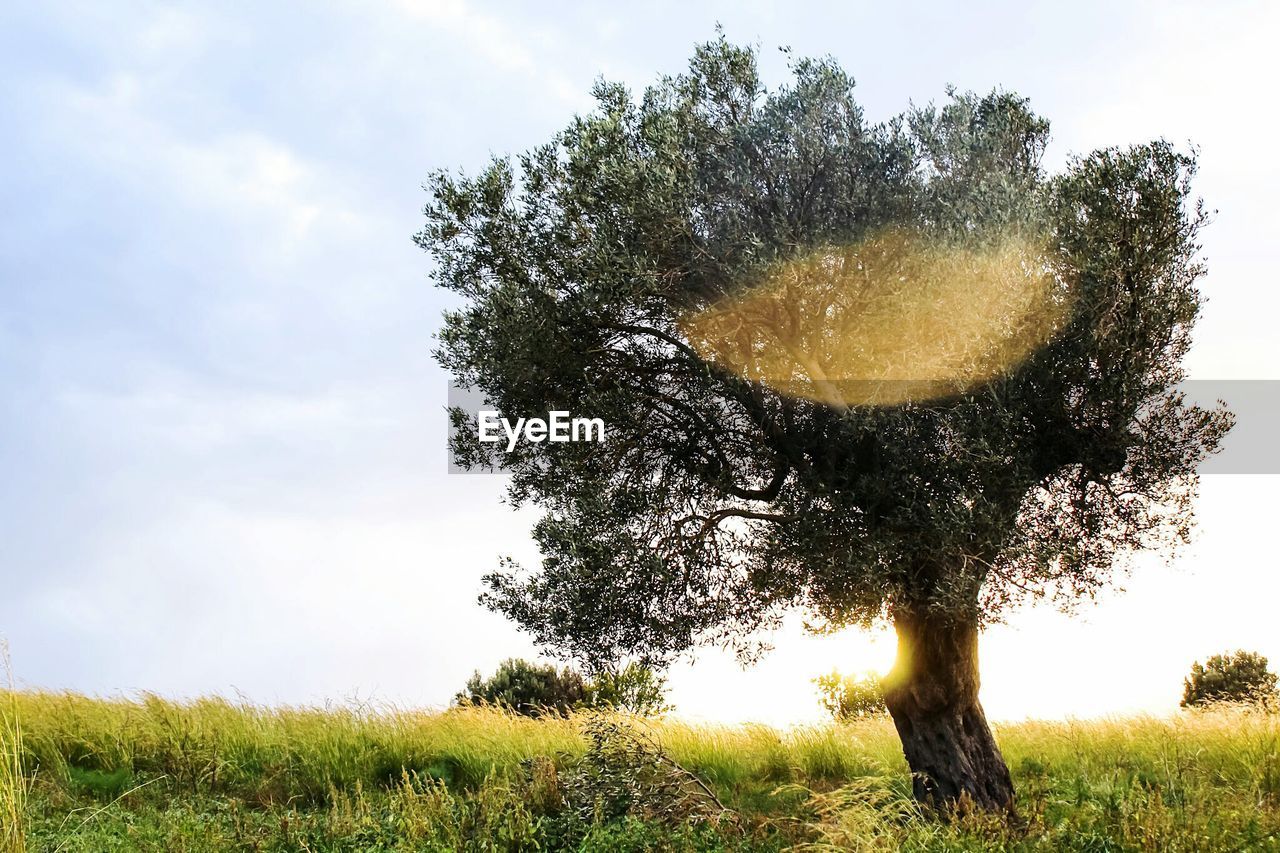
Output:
(102, 775)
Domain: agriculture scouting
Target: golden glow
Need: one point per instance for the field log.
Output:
(888, 320)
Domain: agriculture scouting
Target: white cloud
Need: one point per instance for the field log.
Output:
(530, 50)
(194, 417)
(242, 176)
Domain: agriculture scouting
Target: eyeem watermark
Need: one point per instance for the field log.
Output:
(559, 426)
(1250, 448)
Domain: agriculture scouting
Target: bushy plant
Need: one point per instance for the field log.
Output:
(848, 697)
(633, 688)
(1241, 677)
(534, 689)
(527, 688)
(625, 772)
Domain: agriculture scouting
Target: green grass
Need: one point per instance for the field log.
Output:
(151, 774)
(13, 780)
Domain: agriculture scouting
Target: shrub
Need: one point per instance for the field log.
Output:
(848, 697)
(527, 688)
(1241, 677)
(625, 772)
(633, 688)
(535, 689)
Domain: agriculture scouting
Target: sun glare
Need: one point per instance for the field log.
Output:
(895, 318)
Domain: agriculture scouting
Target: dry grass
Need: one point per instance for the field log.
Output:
(13, 781)
(212, 767)
(214, 744)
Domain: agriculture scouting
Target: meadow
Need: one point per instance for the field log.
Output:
(88, 774)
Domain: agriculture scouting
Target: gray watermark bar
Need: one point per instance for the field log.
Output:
(1251, 447)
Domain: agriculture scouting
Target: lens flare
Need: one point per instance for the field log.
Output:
(895, 318)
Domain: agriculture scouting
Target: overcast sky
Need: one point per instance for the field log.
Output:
(222, 455)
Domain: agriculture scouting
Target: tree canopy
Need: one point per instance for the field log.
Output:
(534, 689)
(1240, 676)
(848, 367)
(851, 697)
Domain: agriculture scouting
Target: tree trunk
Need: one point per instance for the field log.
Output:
(932, 694)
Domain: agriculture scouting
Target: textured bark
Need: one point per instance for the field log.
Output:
(932, 694)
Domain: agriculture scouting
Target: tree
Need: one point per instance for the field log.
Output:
(846, 697)
(527, 688)
(633, 688)
(889, 371)
(535, 689)
(1242, 677)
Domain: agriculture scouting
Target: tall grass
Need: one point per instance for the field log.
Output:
(212, 745)
(13, 782)
(1203, 781)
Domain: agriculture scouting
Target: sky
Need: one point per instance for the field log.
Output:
(222, 452)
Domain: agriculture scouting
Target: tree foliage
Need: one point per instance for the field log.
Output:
(633, 688)
(527, 688)
(534, 689)
(848, 697)
(1241, 677)
(727, 493)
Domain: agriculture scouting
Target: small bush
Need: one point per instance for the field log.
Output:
(633, 688)
(1242, 677)
(535, 690)
(527, 688)
(847, 698)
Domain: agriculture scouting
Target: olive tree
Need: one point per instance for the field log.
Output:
(1240, 677)
(871, 372)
